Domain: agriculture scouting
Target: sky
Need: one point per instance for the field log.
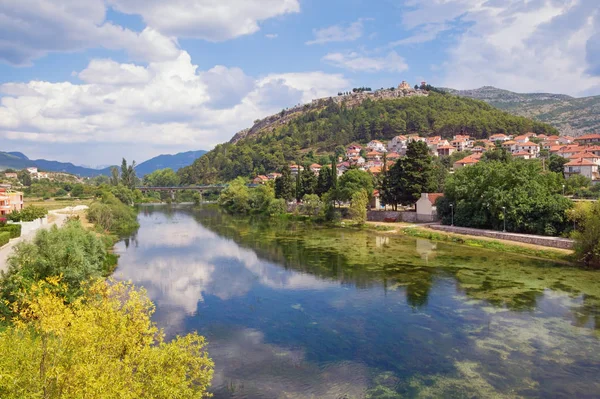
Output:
(93, 81)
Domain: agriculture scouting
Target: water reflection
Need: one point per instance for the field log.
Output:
(298, 311)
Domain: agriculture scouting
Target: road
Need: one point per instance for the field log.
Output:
(58, 218)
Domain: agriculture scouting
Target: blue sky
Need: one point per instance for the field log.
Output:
(91, 82)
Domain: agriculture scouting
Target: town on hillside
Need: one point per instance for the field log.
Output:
(582, 153)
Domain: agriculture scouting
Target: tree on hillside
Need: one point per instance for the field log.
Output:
(284, 185)
(532, 198)
(324, 181)
(352, 182)
(497, 154)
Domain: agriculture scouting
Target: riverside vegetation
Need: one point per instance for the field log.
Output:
(66, 332)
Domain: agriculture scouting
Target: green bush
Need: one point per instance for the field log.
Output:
(71, 251)
(28, 214)
(112, 215)
(4, 238)
(13, 229)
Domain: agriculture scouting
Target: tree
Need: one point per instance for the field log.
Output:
(353, 181)
(325, 181)
(556, 163)
(71, 251)
(586, 215)
(532, 198)
(161, 178)
(311, 204)
(576, 182)
(236, 197)
(114, 176)
(260, 198)
(128, 177)
(102, 345)
(497, 154)
(410, 176)
(284, 185)
(358, 207)
(308, 181)
(24, 177)
(77, 190)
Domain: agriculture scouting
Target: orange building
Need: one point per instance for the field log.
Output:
(10, 201)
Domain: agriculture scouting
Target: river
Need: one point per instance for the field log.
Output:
(293, 310)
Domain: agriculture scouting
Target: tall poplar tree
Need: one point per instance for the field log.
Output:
(284, 185)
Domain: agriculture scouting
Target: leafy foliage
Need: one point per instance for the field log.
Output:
(532, 198)
(162, 178)
(326, 129)
(353, 181)
(71, 251)
(587, 235)
(102, 345)
(358, 207)
(111, 214)
(284, 185)
(28, 214)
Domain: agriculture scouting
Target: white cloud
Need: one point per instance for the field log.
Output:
(357, 62)
(271, 35)
(338, 33)
(206, 19)
(542, 45)
(30, 29)
(425, 34)
(168, 104)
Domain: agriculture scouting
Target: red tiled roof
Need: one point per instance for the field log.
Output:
(432, 197)
(581, 162)
(594, 136)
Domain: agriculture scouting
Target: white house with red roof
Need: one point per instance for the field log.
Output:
(397, 144)
(582, 167)
(588, 139)
(376, 145)
(426, 207)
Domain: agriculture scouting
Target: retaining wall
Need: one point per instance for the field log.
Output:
(554, 242)
(28, 227)
(399, 216)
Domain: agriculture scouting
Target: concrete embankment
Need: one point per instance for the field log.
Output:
(552, 242)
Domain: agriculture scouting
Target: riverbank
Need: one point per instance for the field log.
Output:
(521, 248)
(56, 217)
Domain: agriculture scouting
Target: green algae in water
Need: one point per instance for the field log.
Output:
(387, 316)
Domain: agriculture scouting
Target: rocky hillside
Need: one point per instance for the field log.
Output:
(570, 115)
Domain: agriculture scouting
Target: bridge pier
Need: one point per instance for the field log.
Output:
(173, 195)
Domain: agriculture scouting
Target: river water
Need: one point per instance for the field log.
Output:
(292, 310)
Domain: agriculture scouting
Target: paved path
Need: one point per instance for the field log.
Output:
(59, 216)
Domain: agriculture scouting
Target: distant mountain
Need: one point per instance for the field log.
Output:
(174, 162)
(570, 115)
(18, 160)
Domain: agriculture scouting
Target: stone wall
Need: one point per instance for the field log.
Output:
(554, 242)
(398, 216)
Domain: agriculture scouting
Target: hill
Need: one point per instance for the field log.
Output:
(18, 160)
(317, 131)
(175, 162)
(570, 115)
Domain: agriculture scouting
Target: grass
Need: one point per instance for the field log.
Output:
(552, 254)
(52, 205)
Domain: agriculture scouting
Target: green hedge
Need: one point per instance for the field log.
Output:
(4, 238)
(13, 229)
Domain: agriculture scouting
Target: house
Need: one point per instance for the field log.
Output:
(586, 155)
(273, 175)
(499, 137)
(260, 179)
(531, 148)
(523, 155)
(374, 170)
(397, 144)
(470, 160)
(376, 145)
(375, 202)
(342, 168)
(582, 167)
(426, 208)
(296, 169)
(41, 175)
(445, 150)
(510, 145)
(11, 175)
(10, 201)
(404, 86)
(521, 139)
(374, 156)
(588, 139)
(564, 139)
(392, 156)
(459, 144)
(315, 168)
(32, 170)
